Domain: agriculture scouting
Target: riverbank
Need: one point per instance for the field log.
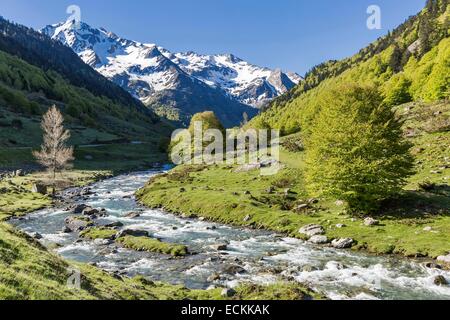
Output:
(416, 224)
(28, 270)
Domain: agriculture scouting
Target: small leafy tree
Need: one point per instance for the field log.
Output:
(209, 121)
(356, 150)
(54, 154)
(397, 90)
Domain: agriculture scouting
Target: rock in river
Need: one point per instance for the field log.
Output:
(66, 229)
(116, 224)
(36, 235)
(89, 211)
(440, 281)
(233, 269)
(219, 247)
(78, 209)
(214, 277)
(132, 215)
(77, 224)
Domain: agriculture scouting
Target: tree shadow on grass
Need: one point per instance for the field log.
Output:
(418, 204)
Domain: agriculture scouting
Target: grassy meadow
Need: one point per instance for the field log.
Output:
(414, 224)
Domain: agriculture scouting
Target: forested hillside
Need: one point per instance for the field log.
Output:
(411, 63)
(47, 54)
(37, 72)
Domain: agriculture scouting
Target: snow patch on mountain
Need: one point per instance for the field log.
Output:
(145, 69)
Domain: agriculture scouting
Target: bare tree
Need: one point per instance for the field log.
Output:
(54, 154)
(244, 119)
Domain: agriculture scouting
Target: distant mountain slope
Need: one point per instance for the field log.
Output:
(39, 50)
(411, 63)
(30, 83)
(248, 83)
(181, 83)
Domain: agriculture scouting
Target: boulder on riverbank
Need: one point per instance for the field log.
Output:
(444, 261)
(132, 215)
(343, 243)
(312, 230)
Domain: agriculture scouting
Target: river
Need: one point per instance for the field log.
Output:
(252, 255)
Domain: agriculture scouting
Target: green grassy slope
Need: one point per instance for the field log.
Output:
(242, 198)
(27, 91)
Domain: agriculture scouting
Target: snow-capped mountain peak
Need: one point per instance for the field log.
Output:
(146, 69)
(246, 82)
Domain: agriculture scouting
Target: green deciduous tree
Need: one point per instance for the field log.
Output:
(209, 121)
(397, 91)
(356, 151)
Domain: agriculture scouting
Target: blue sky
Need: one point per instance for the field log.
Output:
(293, 35)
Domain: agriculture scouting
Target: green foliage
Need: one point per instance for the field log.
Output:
(208, 120)
(356, 151)
(430, 77)
(219, 194)
(398, 92)
(40, 89)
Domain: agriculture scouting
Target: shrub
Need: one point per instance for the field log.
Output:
(356, 151)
